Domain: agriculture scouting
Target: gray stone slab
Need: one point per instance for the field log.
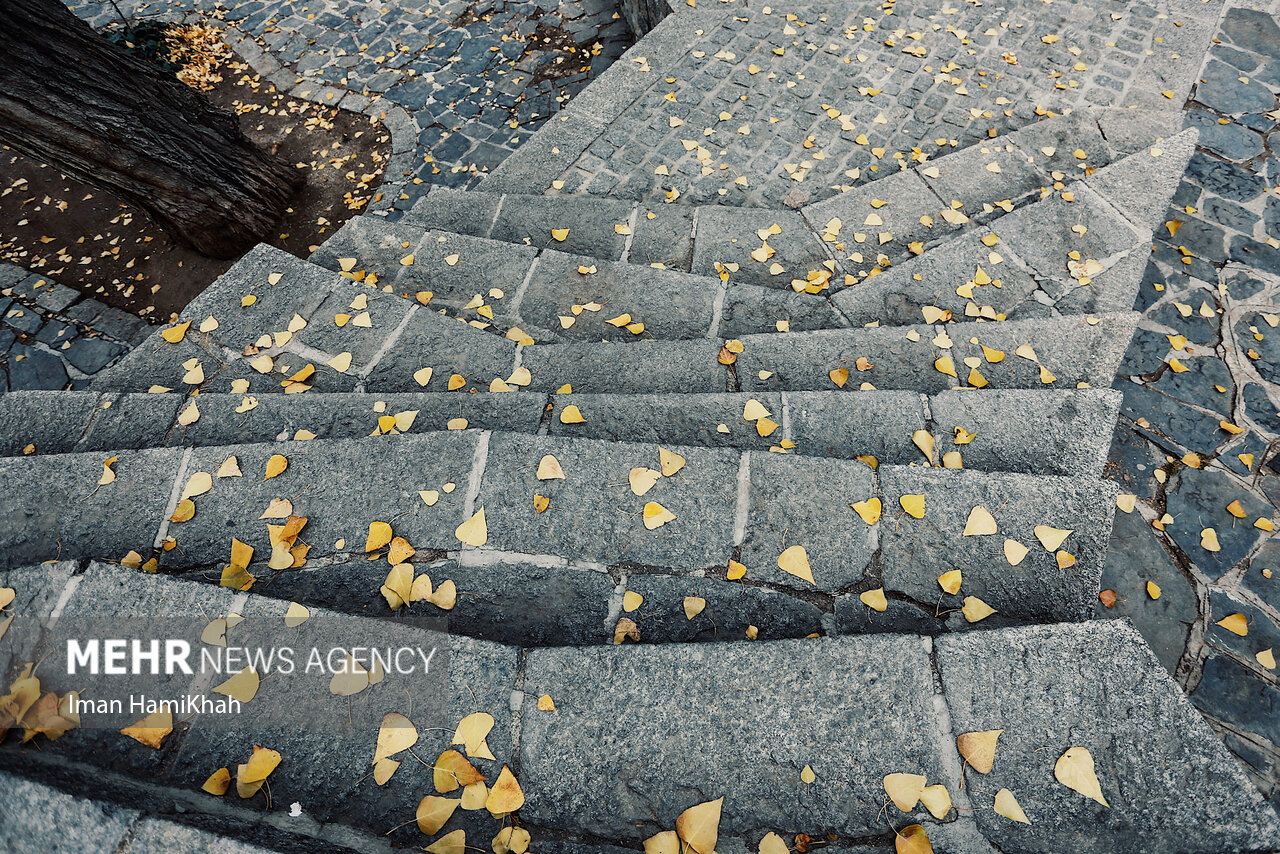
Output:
(459, 211)
(132, 421)
(729, 236)
(1044, 234)
(53, 421)
(322, 332)
(1141, 184)
(35, 817)
(1038, 431)
(447, 346)
(900, 294)
(456, 268)
(679, 419)
(1073, 349)
(339, 485)
(670, 304)
(881, 424)
(327, 762)
(730, 611)
(57, 509)
(1169, 782)
(907, 199)
(368, 245)
(36, 592)
(641, 368)
(854, 617)
(1128, 130)
(915, 552)
(663, 234)
(805, 501)
(1055, 144)
(156, 836)
(156, 362)
(595, 488)
(552, 150)
(762, 710)
(530, 220)
(750, 309)
(968, 176)
(803, 361)
(351, 416)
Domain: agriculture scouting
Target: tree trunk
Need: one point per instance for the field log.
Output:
(87, 107)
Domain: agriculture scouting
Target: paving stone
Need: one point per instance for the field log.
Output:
(908, 199)
(730, 235)
(1054, 432)
(645, 367)
(340, 485)
(674, 419)
(1230, 692)
(531, 220)
(457, 211)
(376, 245)
(1052, 143)
(915, 552)
(966, 176)
(131, 421)
(31, 369)
(730, 611)
(1167, 778)
(1199, 384)
(1072, 349)
(670, 304)
(1197, 499)
(446, 346)
(153, 836)
(36, 590)
(846, 426)
(1135, 558)
(457, 268)
(816, 495)
(1141, 184)
(35, 817)
(665, 238)
(56, 507)
(766, 743)
(1263, 632)
(90, 355)
(1042, 235)
(156, 362)
(386, 313)
(52, 421)
(749, 309)
(702, 496)
(1168, 421)
(1254, 579)
(1220, 88)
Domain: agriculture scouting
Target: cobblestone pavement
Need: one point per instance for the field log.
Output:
(460, 84)
(1199, 427)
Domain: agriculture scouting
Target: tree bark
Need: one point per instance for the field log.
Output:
(88, 108)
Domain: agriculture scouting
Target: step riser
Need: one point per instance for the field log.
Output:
(1057, 432)
(726, 506)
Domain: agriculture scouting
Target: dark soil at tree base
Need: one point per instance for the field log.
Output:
(90, 240)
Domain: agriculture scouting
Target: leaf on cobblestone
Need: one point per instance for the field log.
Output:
(218, 783)
(975, 610)
(1014, 552)
(571, 415)
(108, 476)
(549, 469)
(869, 510)
(434, 813)
(794, 560)
(350, 679)
(511, 840)
(453, 771)
(474, 531)
(184, 512)
(655, 515)
(230, 468)
(400, 551)
(923, 440)
(1007, 805)
(874, 599)
(279, 508)
(454, 842)
(1237, 624)
(559, 234)
(670, 462)
(699, 826)
(1209, 540)
(937, 800)
(912, 839)
(1051, 538)
(693, 606)
(151, 730)
(950, 581)
(980, 522)
(642, 479)
(666, 842)
(904, 789)
(198, 484)
(174, 334)
(398, 586)
(626, 628)
(7, 595)
(1266, 658)
(1075, 770)
(472, 732)
(379, 535)
(979, 749)
(397, 733)
(913, 505)
(506, 796)
(296, 615)
(276, 466)
(242, 687)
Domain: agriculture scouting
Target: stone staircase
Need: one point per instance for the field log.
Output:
(766, 502)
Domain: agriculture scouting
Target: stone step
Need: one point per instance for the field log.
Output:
(542, 291)
(718, 505)
(766, 711)
(260, 335)
(1063, 432)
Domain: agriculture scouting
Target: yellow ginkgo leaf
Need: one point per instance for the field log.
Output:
(1209, 540)
(474, 531)
(379, 536)
(549, 469)
(1237, 624)
(839, 376)
(979, 749)
(454, 842)
(655, 515)
(242, 687)
(944, 365)
(198, 484)
(666, 842)
(434, 813)
(452, 771)
(904, 790)
(571, 415)
(869, 510)
(174, 334)
(631, 600)
(1014, 552)
(950, 581)
(795, 561)
(693, 606)
(1074, 769)
(350, 679)
(980, 522)
(699, 826)
(559, 234)
(396, 733)
(736, 570)
(874, 599)
(340, 363)
(1007, 805)
(151, 730)
(975, 610)
(670, 462)
(1153, 590)
(219, 782)
(506, 795)
(472, 732)
(923, 440)
(511, 840)
(807, 775)
(276, 466)
(383, 769)
(771, 844)
(913, 505)
(912, 840)
(754, 409)
(937, 800)
(1267, 658)
(642, 479)
(1051, 538)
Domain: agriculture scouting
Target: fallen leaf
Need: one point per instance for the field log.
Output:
(1237, 624)
(980, 522)
(655, 515)
(473, 532)
(699, 826)
(979, 749)
(472, 732)
(795, 561)
(1007, 805)
(904, 790)
(506, 795)
(453, 771)
(396, 733)
(151, 730)
(1074, 769)
(434, 813)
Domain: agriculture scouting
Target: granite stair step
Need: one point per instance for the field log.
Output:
(1061, 432)
(852, 710)
(713, 506)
